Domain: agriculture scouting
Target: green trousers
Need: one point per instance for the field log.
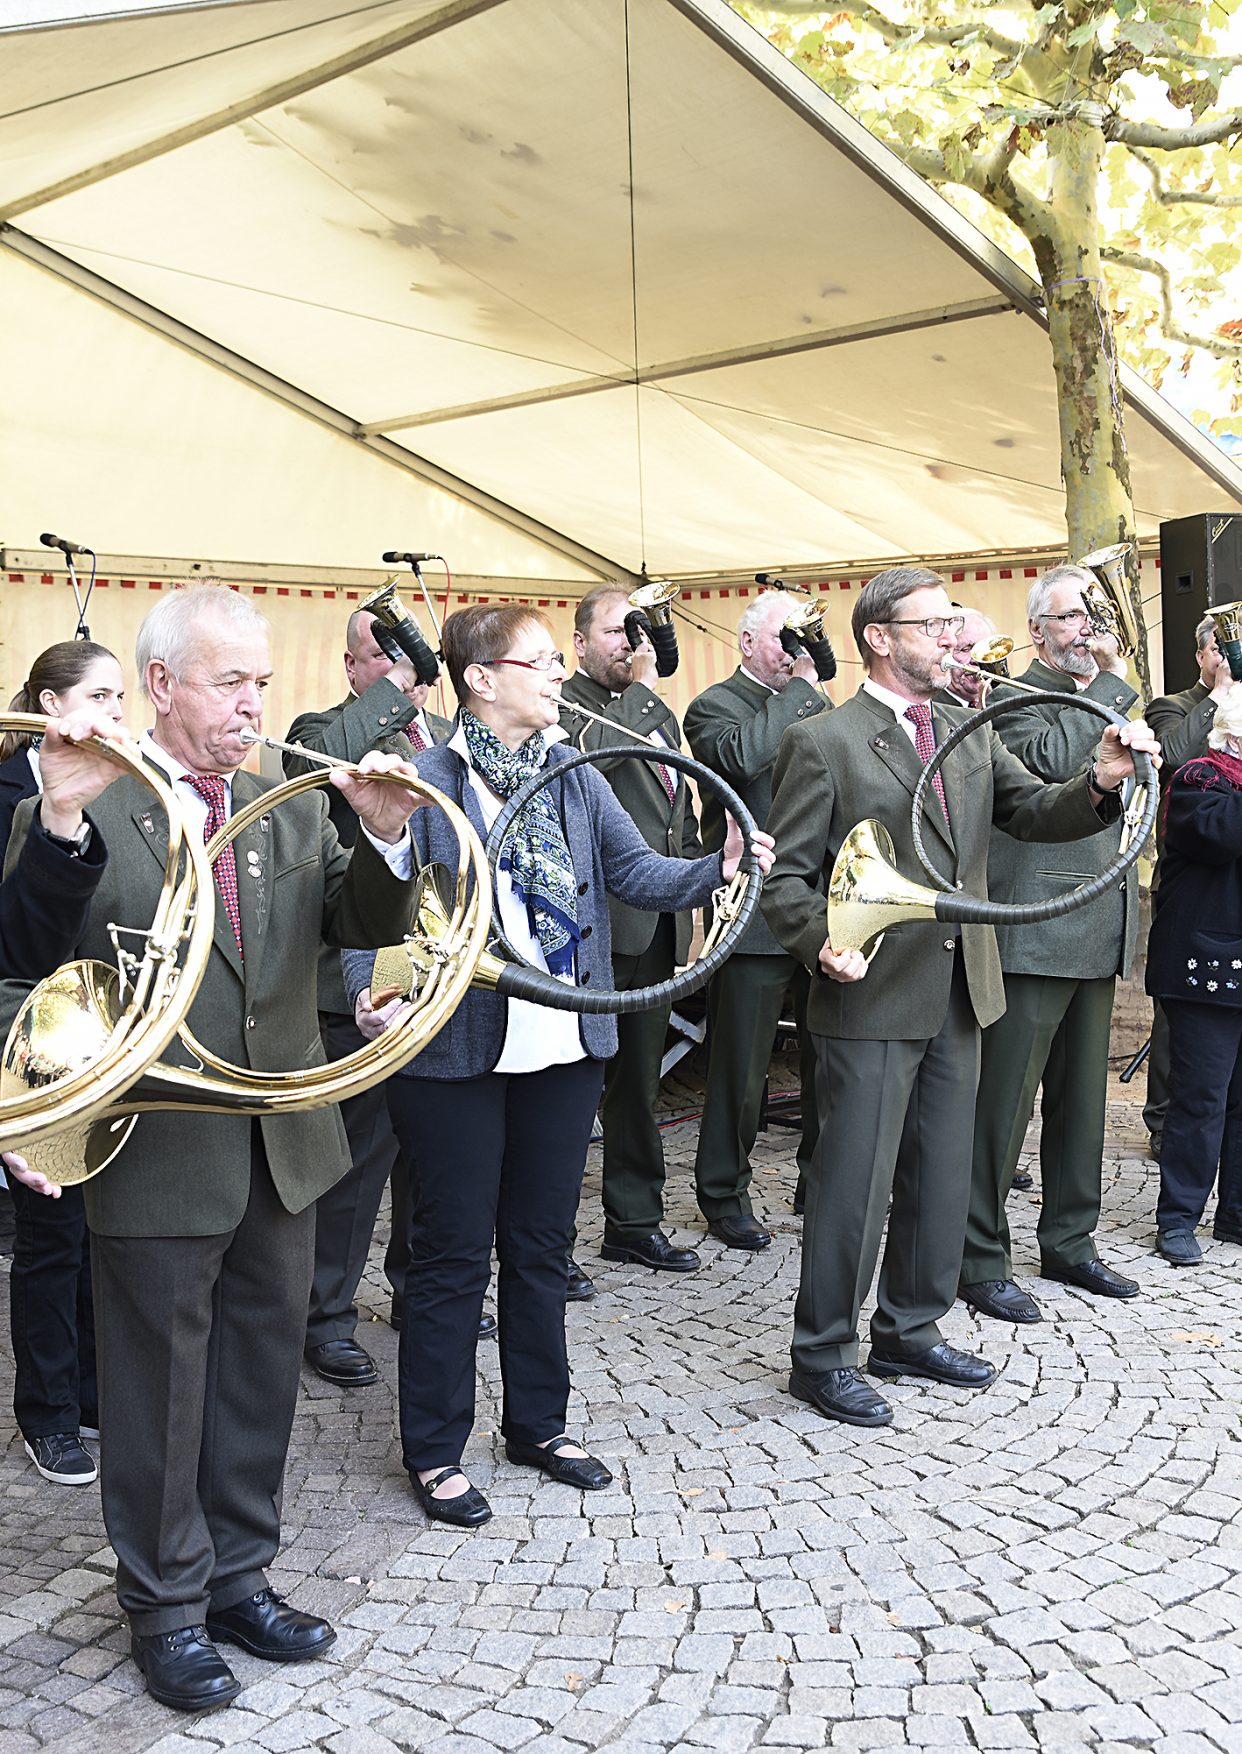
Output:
(896, 1123)
(1055, 1031)
(633, 1150)
(744, 1002)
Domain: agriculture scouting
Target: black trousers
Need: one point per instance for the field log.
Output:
(52, 1319)
(498, 1157)
(200, 1351)
(898, 1120)
(1203, 1125)
(345, 1215)
(633, 1150)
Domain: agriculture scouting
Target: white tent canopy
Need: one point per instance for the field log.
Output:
(555, 290)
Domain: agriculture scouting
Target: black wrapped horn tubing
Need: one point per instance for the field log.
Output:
(972, 910)
(521, 980)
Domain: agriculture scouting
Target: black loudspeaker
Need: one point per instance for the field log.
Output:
(1200, 564)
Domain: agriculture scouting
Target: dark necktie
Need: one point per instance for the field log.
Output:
(415, 735)
(668, 777)
(925, 746)
(210, 788)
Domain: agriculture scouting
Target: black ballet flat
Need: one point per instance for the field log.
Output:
(466, 1511)
(584, 1472)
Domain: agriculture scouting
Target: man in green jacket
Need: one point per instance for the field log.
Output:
(735, 728)
(898, 1050)
(384, 710)
(203, 1227)
(1060, 978)
(619, 684)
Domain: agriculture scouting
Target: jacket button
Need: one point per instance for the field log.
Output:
(586, 933)
(949, 943)
(250, 1023)
(582, 889)
(383, 718)
(586, 978)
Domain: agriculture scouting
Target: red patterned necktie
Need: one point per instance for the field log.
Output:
(210, 788)
(415, 735)
(925, 746)
(669, 779)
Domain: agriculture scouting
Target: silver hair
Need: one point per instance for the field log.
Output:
(169, 633)
(1228, 720)
(1038, 596)
(756, 613)
(985, 621)
(1204, 632)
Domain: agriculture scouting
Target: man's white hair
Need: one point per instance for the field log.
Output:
(170, 632)
(1040, 593)
(756, 614)
(1228, 720)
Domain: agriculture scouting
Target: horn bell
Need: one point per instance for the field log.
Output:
(64, 1027)
(867, 893)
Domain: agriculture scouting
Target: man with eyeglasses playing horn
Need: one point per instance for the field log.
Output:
(898, 1050)
(1060, 978)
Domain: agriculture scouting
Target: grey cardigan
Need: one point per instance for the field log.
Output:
(609, 856)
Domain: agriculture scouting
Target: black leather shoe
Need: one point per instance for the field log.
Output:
(1089, 1276)
(1022, 1183)
(654, 1251)
(942, 1363)
(466, 1511)
(343, 1362)
(1226, 1233)
(488, 1328)
(585, 1472)
(578, 1287)
(266, 1626)
(739, 1232)
(1001, 1299)
(841, 1394)
(184, 1669)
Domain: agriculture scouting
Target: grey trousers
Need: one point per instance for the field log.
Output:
(897, 1120)
(345, 1215)
(199, 1348)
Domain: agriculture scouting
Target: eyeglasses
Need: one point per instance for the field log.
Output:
(544, 662)
(934, 625)
(1079, 617)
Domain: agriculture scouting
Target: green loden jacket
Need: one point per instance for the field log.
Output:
(668, 825)
(189, 1174)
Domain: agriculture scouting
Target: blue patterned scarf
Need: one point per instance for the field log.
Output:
(536, 852)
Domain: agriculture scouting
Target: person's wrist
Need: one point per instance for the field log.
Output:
(1093, 780)
(61, 822)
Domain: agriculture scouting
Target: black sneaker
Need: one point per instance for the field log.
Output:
(62, 1459)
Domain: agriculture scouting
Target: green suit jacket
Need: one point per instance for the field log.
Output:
(189, 1175)
(350, 730)
(1056, 744)
(858, 762)
(735, 728)
(1181, 722)
(668, 825)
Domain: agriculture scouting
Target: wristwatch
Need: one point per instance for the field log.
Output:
(75, 846)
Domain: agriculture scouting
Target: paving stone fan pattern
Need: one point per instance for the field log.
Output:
(1054, 1563)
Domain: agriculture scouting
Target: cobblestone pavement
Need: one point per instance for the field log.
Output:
(1053, 1563)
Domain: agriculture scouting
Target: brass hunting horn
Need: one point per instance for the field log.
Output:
(868, 895)
(82, 1057)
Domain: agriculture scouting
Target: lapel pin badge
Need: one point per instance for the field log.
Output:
(147, 824)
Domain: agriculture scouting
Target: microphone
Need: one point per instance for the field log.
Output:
(392, 558)
(66, 548)
(770, 579)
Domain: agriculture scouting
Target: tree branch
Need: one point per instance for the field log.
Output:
(990, 177)
(1180, 197)
(1151, 134)
(1170, 327)
(949, 36)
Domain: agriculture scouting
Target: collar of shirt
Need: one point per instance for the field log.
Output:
(176, 772)
(896, 704)
(751, 677)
